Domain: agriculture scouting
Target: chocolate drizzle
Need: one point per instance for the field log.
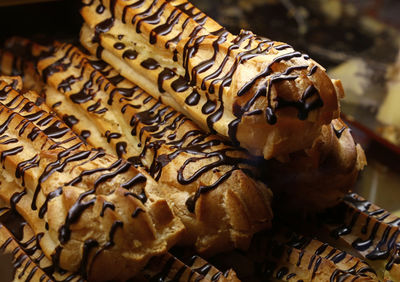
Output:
(290, 255)
(165, 28)
(119, 45)
(193, 99)
(59, 151)
(166, 74)
(339, 132)
(130, 54)
(27, 248)
(377, 237)
(239, 50)
(159, 123)
(150, 64)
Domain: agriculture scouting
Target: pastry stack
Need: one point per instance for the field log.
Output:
(172, 132)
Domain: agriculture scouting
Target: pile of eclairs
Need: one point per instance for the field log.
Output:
(164, 140)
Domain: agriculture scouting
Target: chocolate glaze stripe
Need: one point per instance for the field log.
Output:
(64, 157)
(86, 103)
(206, 269)
(158, 120)
(194, 268)
(15, 61)
(46, 122)
(162, 123)
(286, 255)
(83, 96)
(244, 47)
(185, 268)
(208, 23)
(369, 232)
(30, 263)
(43, 176)
(16, 199)
(153, 124)
(215, 45)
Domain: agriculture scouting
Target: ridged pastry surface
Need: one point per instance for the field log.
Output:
(207, 181)
(257, 92)
(90, 209)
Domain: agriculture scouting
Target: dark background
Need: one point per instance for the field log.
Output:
(42, 21)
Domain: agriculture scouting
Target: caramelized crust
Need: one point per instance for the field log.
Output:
(80, 200)
(333, 153)
(257, 92)
(202, 175)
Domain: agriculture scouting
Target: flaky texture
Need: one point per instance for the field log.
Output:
(202, 175)
(95, 214)
(260, 93)
(319, 177)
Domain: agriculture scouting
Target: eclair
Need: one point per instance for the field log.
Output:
(210, 184)
(90, 209)
(287, 255)
(333, 159)
(30, 263)
(18, 58)
(367, 231)
(18, 239)
(319, 177)
(261, 94)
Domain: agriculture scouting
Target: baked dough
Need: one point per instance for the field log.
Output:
(18, 239)
(317, 178)
(18, 57)
(286, 255)
(30, 263)
(261, 94)
(205, 179)
(91, 209)
(368, 231)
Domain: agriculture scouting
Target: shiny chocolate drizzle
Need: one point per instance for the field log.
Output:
(156, 126)
(251, 45)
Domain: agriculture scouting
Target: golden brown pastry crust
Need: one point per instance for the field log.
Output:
(317, 178)
(369, 232)
(30, 263)
(63, 190)
(281, 254)
(202, 175)
(257, 92)
(290, 256)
